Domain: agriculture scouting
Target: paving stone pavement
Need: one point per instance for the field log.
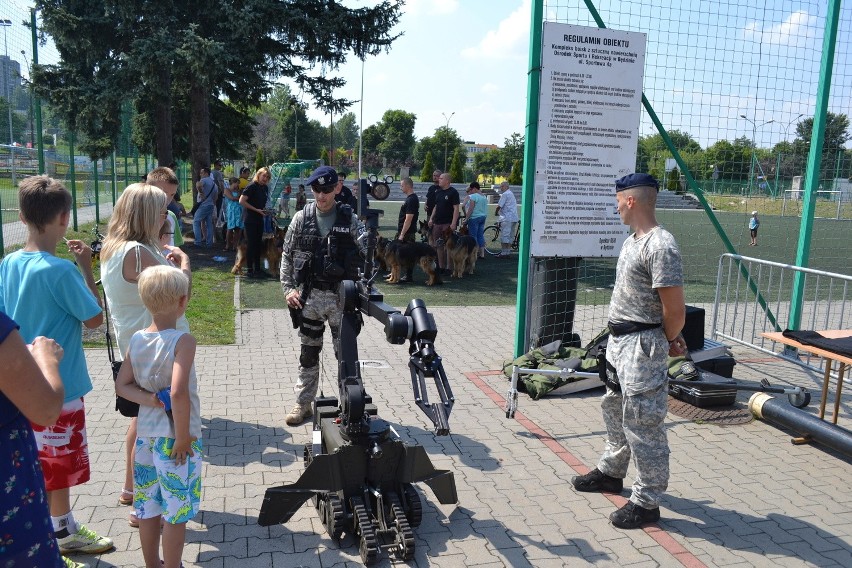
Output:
(739, 495)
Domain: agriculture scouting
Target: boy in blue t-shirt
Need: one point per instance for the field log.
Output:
(48, 296)
(753, 225)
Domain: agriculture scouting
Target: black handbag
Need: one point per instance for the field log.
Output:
(122, 405)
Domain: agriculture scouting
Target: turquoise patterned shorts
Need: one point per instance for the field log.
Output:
(161, 487)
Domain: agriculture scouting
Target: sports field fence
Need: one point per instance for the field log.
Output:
(731, 93)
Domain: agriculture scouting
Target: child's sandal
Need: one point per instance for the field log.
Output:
(126, 497)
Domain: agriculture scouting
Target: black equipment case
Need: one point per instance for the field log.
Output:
(693, 328)
(707, 391)
(723, 365)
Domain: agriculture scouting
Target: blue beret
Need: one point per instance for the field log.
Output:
(636, 180)
(323, 175)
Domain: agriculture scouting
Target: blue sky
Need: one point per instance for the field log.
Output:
(708, 62)
(467, 57)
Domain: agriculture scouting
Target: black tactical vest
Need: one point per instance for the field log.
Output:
(333, 258)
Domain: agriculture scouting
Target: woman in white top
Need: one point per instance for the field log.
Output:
(131, 245)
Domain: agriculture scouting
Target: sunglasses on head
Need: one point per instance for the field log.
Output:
(324, 189)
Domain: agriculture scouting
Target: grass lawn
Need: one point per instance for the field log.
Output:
(494, 283)
(211, 308)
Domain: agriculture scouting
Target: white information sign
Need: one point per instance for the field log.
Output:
(591, 96)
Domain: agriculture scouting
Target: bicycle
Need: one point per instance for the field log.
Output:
(96, 246)
(493, 246)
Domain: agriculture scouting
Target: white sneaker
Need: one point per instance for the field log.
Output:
(298, 414)
(85, 540)
(71, 564)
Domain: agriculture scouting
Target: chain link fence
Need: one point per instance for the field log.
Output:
(734, 86)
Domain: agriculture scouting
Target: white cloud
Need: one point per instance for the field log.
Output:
(489, 88)
(431, 7)
(509, 40)
(791, 31)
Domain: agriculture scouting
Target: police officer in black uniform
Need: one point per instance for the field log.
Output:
(321, 249)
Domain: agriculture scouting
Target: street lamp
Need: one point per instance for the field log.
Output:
(754, 128)
(778, 163)
(6, 66)
(295, 105)
(30, 80)
(790, 123)
(447, 136)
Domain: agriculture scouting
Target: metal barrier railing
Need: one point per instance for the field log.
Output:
(753, 296)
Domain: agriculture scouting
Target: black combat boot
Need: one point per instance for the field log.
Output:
(595, 481)
(633, 516)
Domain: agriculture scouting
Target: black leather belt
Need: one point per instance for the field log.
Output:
(326, 286)
(617, 328)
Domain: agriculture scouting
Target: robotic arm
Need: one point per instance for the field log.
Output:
(416, 325)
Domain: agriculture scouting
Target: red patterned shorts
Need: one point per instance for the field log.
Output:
(63, 448)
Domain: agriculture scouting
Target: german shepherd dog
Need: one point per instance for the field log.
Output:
(462, 250)
(423, 229)
(271, 249)
(399, 258)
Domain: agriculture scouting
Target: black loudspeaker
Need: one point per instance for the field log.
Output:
(693, 329)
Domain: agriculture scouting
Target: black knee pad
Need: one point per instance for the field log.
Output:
(309, 356)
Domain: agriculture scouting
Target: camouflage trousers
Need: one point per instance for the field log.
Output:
(635, 417)
(322, 306)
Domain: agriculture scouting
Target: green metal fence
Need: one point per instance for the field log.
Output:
(746, 108)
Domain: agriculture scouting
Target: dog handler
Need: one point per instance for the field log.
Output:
(321, 250)
(407, 223)
(646, 316)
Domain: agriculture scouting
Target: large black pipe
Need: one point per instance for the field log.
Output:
(811, 427)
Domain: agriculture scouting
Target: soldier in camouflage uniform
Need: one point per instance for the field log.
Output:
(646, 315)
(309, 265)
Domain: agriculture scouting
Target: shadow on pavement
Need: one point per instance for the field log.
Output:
(237, 444)
(470, 452)
(437, 536)
(769, 535)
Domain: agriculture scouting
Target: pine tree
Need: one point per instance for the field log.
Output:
(515, 176)
(428, 168)
(188, 69)
(259, 160)
(457, 167)
(293, 156)
(673, 183)
(324, 156)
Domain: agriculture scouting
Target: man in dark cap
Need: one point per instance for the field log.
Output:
(321, 250)
(646, 316)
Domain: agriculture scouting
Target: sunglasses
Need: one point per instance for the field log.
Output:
(325, 189)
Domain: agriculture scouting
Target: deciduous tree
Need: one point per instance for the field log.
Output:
(442, 144)
(513, 149)
(836, 135)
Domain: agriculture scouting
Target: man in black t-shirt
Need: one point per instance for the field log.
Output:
(430, 198)
(445, 214)
(407, 225)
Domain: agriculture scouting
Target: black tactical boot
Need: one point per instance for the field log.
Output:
(595, 481)
(633, 516)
